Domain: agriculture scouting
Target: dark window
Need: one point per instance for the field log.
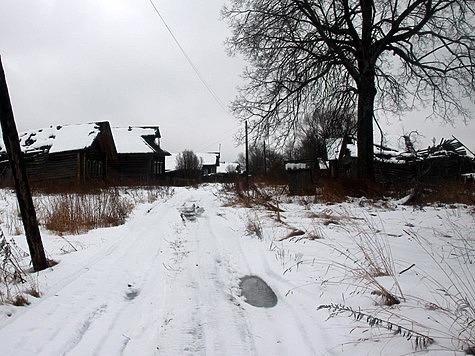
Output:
(157, 167)
(94, 169)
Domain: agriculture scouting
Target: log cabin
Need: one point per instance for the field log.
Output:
(140, 159)
(66, 153)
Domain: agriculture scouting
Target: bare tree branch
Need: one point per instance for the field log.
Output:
(386, 54)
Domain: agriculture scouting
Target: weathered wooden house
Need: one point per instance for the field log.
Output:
(140, 159)
(395, 159)
(68, 153)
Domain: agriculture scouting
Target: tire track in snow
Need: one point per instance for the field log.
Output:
(205, 318)
(85, 327)
(99, 284)
(133, 325)
(303, 333)
(183, 297)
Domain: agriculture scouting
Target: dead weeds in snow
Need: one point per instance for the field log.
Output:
(328, 216)
(254, 227)
(458, 295)
(15, 281)
(368, 265)
(73, 213)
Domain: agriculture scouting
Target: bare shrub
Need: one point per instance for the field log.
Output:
(254, 195)
(337, 190)
(77, 213)
(447, 191)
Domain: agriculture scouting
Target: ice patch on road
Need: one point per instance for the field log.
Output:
(257, 293)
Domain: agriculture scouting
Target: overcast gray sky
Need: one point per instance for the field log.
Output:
(94, 60)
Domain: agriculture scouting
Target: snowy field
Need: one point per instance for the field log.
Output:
(167, 282)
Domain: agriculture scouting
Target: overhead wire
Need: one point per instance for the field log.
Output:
(188, 59)
(197, 72)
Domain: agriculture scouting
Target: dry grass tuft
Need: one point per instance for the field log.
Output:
(328, 216)
(254, 227)
(293, 233)
(20, 301)
(33, 291)
(368, 261)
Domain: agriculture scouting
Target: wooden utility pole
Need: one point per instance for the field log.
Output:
(22, 188)
(247, 156)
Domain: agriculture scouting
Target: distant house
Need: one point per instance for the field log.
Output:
(140, 157)
(209, 162)
(70, 153)
(342, 154)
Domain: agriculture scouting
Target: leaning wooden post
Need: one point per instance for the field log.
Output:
(25, 201)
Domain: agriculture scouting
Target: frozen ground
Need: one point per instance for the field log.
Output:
(167, 282)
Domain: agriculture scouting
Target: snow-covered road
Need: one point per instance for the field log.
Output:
(165, 285)
(167, 282)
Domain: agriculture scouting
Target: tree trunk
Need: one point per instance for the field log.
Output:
(25, 201)
(366, 96)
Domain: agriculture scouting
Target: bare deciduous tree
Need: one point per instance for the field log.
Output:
(370, 54)
(321, 125)
(263, 162)
(189, 164)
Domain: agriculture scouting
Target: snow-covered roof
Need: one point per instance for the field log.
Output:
(208, 159)
(296, 166)
(59, 138)
(131, 139)
(75, 137)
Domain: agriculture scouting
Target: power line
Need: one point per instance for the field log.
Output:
(215, 140)
(188, 59)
